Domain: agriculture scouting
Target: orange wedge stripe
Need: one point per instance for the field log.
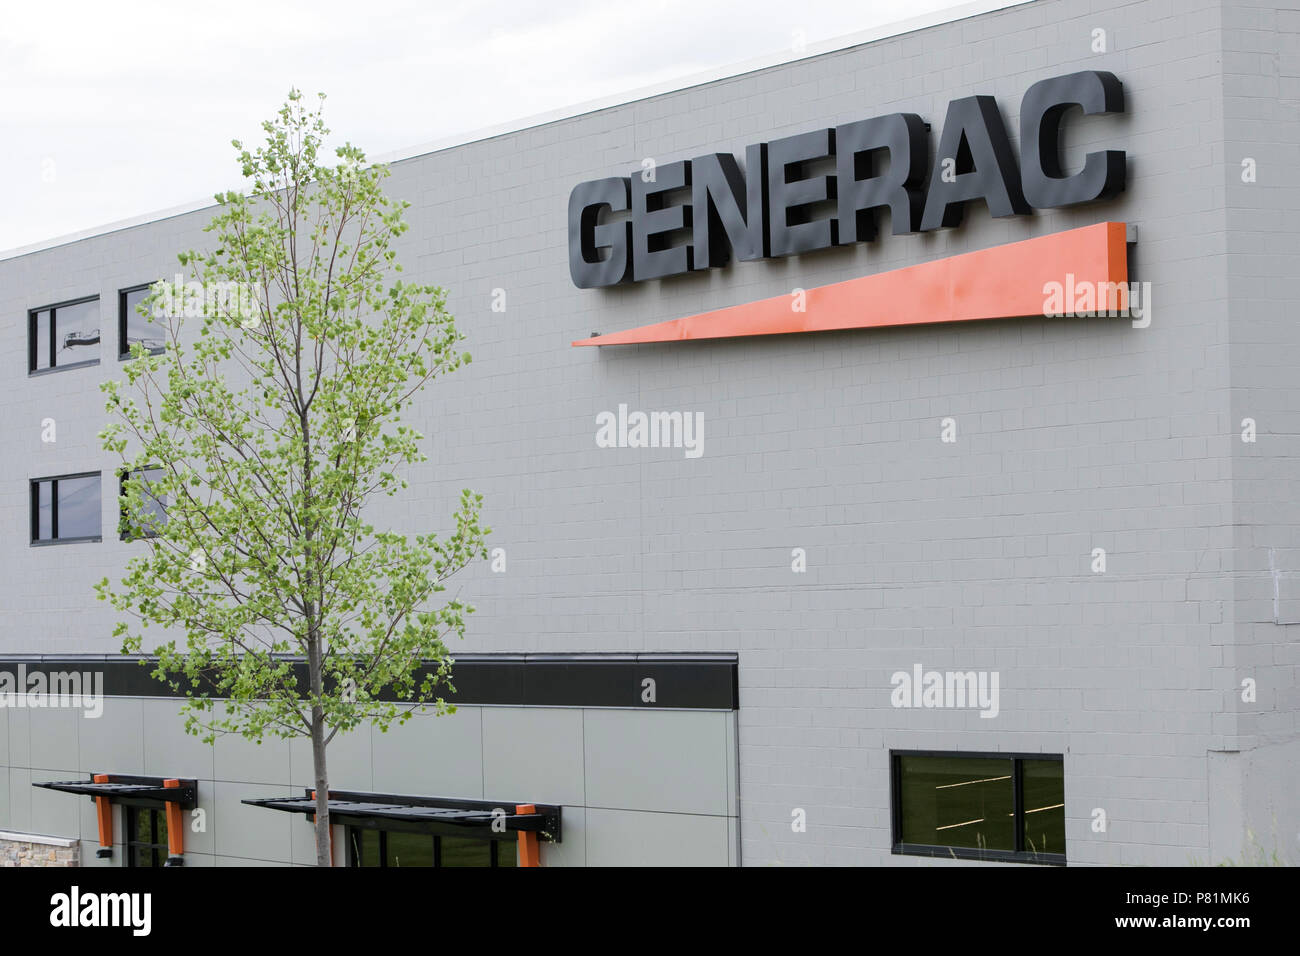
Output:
(998, 283)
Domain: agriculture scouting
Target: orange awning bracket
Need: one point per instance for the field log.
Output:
(175, 829)
(529, 852)
(104, 813)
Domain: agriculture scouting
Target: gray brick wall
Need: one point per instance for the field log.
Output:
(1074, 434)
(1261, 93)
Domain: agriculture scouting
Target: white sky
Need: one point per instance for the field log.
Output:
(113, 110)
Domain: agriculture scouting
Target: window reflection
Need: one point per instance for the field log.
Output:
(134, 327)
(78, 507)
(1044, 796)
(66, 508)
(981, 806)
(63, 335)
(44, 491)
(383, 848)
(76, 332)
(958, 802)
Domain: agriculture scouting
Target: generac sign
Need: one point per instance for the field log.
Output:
(826, 187)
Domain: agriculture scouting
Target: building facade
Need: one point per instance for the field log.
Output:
(936, 591)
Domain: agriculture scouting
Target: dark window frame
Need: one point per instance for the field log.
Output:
(34, 506)
(123, 532)
(494, 854)
(123, 346)
(1018, 855)
(51, 345)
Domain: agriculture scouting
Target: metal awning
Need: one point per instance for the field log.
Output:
(434, 814)
(115, 786)
(172, 793)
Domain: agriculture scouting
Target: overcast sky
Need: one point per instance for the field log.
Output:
(114, 110)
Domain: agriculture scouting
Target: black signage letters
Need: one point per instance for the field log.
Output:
(826, 187)
(654, 219)
(1044, 106)
(974, 161)
(730, 213)
(588, 235)
(791, 192)
(862, 190)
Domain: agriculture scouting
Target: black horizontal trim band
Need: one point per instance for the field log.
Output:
(694, 681)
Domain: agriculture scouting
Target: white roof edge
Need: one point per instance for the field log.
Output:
(972, 8)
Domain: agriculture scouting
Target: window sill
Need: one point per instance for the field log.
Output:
(53, 541)
(35, 373)
(988, 856)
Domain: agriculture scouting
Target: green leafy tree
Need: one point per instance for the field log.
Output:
(269, 421)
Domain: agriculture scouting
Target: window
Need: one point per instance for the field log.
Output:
(62, 336)
(146, 836)
(1008, 807)
(397, 848)
(65, 508)
(153, 509)
(132, 327)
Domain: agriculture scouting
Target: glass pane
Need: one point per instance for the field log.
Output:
(365, 846)
(44, 511)
(463, 851)
(139, 328)
(40, 332)
(507, 852)
(410, 849)
(958, 801)
(1044, 794)
(78, 507)
(76, 332)
(150, 826)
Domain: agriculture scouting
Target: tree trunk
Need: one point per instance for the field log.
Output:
(315, 667)
(324, 856)
(323, 847)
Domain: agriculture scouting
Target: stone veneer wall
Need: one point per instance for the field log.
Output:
(30, 849)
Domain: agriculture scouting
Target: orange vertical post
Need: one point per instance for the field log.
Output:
(529, 851)
(104, 811)
(175, 826)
